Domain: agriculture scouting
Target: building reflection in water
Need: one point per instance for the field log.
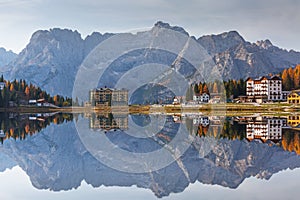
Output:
(218, 159)
(108, 121)
(282, 131)
(264, 128)
(294, 121)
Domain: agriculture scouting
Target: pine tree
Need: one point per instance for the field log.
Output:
(196, 89)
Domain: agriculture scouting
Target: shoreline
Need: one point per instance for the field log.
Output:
(222, 108)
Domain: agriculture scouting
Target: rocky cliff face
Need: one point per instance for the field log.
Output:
(237, 58)
(52, 58)
(6, 57)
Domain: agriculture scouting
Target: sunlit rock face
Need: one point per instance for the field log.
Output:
(237, 58)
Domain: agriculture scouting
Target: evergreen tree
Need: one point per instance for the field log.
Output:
(196, 89)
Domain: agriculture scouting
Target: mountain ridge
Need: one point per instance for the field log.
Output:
(52, 57)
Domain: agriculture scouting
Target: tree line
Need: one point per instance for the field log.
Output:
(290, 78)
(19, 92)
(232, 88)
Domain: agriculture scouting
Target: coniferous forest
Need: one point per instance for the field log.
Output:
(19, 92)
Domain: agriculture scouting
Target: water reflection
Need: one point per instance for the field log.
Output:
(19, 126)
(223, 150)
(107, 121)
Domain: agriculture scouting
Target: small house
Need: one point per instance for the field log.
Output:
(32, 102)
(204, 97)
(176, 101)
(201, 97)
(294, 97)
(40, 102)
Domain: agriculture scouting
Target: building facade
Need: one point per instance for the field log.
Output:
(119, 97)
(264, 89)
(108, 97)
(201, 98)
(294, 97)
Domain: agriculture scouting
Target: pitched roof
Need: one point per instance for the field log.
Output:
(295, 92)
(262, 77)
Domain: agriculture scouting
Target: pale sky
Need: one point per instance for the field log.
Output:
(277, 20)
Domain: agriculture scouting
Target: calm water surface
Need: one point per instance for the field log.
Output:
(114, 156)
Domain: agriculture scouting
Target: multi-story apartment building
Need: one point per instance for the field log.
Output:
(264, 89)
(108, 97)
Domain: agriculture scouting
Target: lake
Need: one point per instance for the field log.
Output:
(115, 155)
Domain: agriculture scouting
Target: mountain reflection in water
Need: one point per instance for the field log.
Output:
(223, 151)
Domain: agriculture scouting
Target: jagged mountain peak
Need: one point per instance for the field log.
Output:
(97, 34)
(265, 44)
(222, 42)
(6, 57)
(52, 57)
(3, 50)
(233, 35)
(55, 32)
(161, 24)
(90, 41)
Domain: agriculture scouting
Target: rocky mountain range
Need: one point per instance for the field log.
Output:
(52, 57)
(237, 58)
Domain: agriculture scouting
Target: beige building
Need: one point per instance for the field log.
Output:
(108, 97)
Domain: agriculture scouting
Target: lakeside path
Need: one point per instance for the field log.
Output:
(210, 109)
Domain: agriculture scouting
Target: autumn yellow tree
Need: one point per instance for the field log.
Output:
(297, 77)
(215, 88)
(286, 80)
(27, 91)
(205, 89)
